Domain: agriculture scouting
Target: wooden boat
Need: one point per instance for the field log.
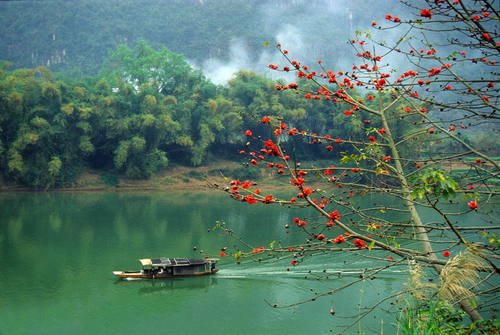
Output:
(156, 268)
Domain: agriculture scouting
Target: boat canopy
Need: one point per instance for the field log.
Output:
(164, 262)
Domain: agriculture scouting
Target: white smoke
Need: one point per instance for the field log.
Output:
(221, 71)
(303, 38)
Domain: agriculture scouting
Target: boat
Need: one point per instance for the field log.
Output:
(157, 268)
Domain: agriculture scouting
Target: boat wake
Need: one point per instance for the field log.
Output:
(232, 273)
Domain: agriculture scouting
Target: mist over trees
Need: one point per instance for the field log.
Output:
(75, 36)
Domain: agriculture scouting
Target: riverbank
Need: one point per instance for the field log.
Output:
(174, 178)
(177, 177)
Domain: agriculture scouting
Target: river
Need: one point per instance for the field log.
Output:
(58, 251)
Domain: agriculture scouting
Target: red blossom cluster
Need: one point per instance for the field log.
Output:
(299, 222)
(406, 75)
(339, 239)
(392, 18)
(334, 215)
(359, 243)
(426, 12)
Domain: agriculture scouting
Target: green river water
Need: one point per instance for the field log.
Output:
(58, 251)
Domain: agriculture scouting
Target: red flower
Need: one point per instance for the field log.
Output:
(248, 133)
(268, 199)
(299, 222)
(472, 204)
(339, 239)
(320, 237)
(381, 131)
(298, 181)
(334, 215)
(360, 244)
(372, 139)
(293, 262)
(426, 12)
(257, 250)
(374, 23)
(250, 199)
(265, 119)
(446, 253)
(487, 36)
(434, 71)
(222, 254)
(307, 191)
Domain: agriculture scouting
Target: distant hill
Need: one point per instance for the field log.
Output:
(75, 36)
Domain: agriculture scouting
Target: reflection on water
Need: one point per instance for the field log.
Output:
(57, 252)
(164, 286)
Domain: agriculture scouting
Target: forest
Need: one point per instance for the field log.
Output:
(83, 88)
(147, 107)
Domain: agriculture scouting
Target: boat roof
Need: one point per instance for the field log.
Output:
(171, 261)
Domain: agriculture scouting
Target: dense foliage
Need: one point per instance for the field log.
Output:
(144, 108)
(149, 106)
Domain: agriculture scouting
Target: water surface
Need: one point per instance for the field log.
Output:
(57, 252)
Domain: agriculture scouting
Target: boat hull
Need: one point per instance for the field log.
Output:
(137, 275)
